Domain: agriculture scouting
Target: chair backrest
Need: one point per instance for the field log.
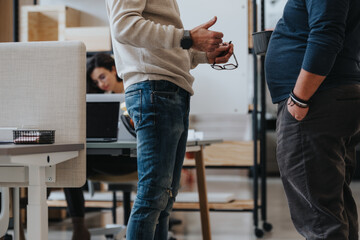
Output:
(43, 85)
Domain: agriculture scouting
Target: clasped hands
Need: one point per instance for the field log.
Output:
(211, 42)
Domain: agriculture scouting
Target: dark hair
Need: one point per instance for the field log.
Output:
(98, 60)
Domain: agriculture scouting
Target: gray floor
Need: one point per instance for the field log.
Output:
(225, 225)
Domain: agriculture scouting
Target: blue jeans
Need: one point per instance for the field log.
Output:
(160, 111)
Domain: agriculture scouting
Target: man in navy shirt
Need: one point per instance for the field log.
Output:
(313, 73)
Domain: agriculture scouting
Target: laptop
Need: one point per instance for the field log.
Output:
(102, 117)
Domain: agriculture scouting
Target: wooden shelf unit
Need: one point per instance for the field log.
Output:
(46, 23)
(227, 154)
(61, 23)
(6, 21)
(237, 205)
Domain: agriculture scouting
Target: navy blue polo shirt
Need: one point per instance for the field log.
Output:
(320, 36)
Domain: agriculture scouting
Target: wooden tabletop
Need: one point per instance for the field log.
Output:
(132, 144)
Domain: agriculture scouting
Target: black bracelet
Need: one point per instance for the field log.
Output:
(298, 101)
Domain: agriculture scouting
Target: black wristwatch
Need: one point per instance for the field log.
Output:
(186, 41)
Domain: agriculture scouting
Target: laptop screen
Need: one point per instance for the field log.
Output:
(102, 116)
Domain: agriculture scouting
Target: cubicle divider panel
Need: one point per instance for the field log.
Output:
(43, 86)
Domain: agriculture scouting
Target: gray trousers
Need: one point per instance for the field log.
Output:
(316, 158)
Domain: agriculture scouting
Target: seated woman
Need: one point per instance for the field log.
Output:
(101, 78)
(101, 75)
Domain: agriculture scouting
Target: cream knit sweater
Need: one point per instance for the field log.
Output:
(146, 38)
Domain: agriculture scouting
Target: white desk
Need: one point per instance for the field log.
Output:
(195, 146)
(35, 158)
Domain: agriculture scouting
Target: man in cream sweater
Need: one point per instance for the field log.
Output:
(153, 55)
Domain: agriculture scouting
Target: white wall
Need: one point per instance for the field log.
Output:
(273, 12)
(221, 92)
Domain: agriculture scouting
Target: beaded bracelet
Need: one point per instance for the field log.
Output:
(298, 102)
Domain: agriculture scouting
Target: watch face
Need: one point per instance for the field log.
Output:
(186, 43)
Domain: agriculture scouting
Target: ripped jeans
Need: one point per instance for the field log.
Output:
(160, 111)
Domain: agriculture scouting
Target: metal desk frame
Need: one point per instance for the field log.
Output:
(35, 158)
(195, 146)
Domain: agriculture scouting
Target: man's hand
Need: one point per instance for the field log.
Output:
(205, 40)
(221, 54)
(297, 112)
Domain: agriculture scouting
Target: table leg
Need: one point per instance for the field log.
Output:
(4, 211)
(203, 202)
(37, 209)
(16, 211)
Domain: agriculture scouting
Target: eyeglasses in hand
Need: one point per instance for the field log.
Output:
(228, 66)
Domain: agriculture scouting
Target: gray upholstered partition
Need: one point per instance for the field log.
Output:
(42, 85)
